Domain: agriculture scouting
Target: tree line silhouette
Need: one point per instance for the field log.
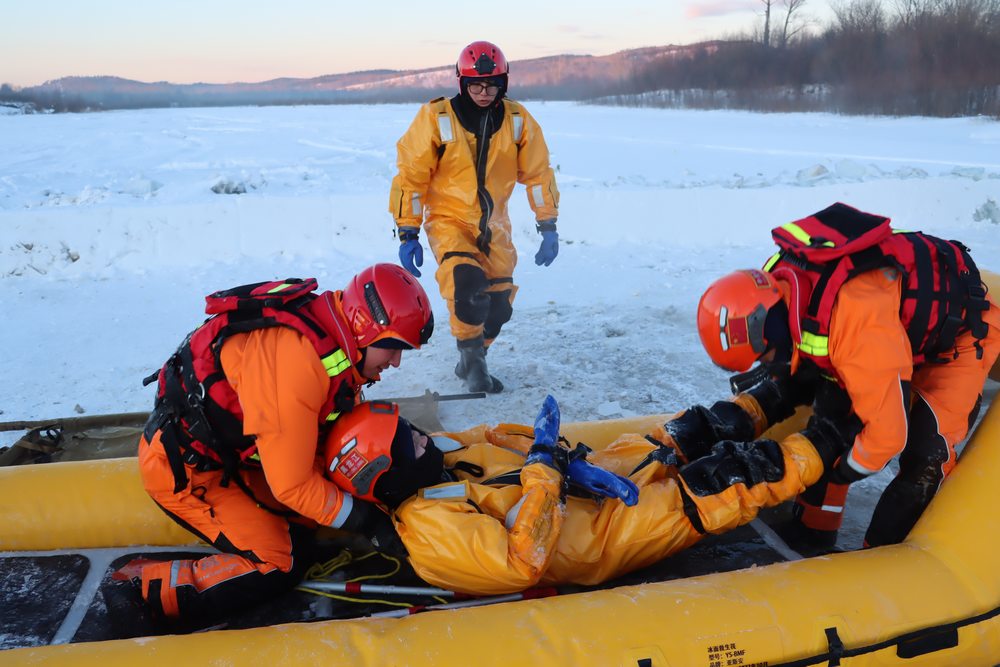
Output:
(925, 57)
(896, 57)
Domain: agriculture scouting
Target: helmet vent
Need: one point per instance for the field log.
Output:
(484, 64)
(375, 304)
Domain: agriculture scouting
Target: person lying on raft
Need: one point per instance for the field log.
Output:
(495, 510)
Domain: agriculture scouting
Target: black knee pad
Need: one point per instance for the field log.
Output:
(499, 314)
(472, 303)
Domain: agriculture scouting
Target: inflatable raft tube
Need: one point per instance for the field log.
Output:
(100, 504)
(933, 600)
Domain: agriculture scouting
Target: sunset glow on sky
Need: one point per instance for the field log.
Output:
(184, 41)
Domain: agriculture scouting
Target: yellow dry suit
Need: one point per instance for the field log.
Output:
(504, 526)
(457, 186)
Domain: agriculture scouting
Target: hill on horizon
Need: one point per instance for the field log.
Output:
(552, 77)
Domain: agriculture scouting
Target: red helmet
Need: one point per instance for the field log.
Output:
(731, 316)
(385, 303)
(481, 59)
(358, 449)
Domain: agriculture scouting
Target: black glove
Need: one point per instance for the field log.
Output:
(384, 537)
(698, 428)
(731, 463)
(843, 473)
(375, 524)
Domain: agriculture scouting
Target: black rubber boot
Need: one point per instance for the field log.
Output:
(472, 367)
(128, 615)
(807, 542)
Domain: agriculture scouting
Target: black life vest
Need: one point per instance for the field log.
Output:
(942, 296)
(197, 409)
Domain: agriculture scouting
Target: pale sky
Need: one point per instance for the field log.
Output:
(219, 41)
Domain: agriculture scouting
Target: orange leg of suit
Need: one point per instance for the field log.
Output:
(945, 403)
(478, 288)
(263, 553)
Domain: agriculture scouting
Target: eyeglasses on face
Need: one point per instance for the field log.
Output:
(480, 88)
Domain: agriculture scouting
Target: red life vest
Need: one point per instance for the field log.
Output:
(942, 293)
(200, 405)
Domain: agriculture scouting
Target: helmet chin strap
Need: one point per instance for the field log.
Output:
(778, 333)
(361, 369)
(778, 336)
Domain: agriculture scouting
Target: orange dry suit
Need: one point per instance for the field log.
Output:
(893, 340)
(230, 450)
(457, 170)
(504, 526)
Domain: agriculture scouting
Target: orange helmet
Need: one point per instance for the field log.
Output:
(385, 305)
(731, 316)
(358, 449)
(369, 453)
(481, 59)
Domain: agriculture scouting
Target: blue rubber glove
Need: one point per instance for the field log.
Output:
(602, 482)
(549, 248)
(546, 434)
(410, 250)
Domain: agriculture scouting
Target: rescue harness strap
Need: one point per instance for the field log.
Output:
(663, 453)
(181, 419)
(961, 297)
(908, 645)
(691, 510)
(449, 255)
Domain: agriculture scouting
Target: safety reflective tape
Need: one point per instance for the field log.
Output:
(723, 318)
(446, 444)
(771, 262)
(444, 127)
(855, 465)
(797, 232)
(332, 416)
(836, 509)
(347, 504)
(175, 568)
(336, 363)
(343, 450)
(415, 206)
(537, 195)
(518, 125)
(512, 513)
(279, 288)
(444, 491)
(817, 346)
(801, 235)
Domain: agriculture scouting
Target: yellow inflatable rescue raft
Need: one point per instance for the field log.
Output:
(933, 600)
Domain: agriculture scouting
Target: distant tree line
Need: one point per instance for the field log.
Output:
(897, 57)
(926, 57)
(53, 99)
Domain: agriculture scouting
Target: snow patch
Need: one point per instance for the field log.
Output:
(239, 186)
(988, 212)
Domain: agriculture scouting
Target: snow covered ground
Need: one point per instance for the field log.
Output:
(113, 226)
